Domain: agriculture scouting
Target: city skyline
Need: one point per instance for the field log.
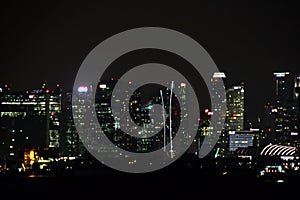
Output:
(253, 44)
(251, 113)
(279, 111)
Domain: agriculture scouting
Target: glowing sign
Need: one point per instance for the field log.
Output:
(102, 86)
(210, 113)
(219, 75)
(286, 158)
(281, 74)
(82, 89)
(183, 84)
(31, 96)
(237, 87)
(294, 133)
(274, 110)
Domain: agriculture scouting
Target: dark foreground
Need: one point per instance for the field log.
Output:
(170, 183)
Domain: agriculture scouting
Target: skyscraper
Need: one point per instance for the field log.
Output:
(142, 107)
(283, 108)
(222, 144)
(296, 117)
(234, 120)
(297, 93)
(281, 85)
(30, 118)
(71, 143)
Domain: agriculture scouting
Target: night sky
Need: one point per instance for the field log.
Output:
(48, 41)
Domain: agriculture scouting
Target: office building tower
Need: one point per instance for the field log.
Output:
(267, 122)
(234, 120)
(29, 119)
(282, 86)
(222, 144)
(144, 103)
(297, 97)
(204, 129)
(297, 87)
(296, 117)
(283, 108)
(71, 143)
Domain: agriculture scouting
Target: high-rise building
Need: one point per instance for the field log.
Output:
(297, 88)
(266, 125)
(283, 108)
(205, 128)
(281, 85)
(234, 120)
(297, 96)
(296, 117)
(71, 143)
(222, 144)
(136, 110)
(29, 119)
(77, 112)
(141, 109)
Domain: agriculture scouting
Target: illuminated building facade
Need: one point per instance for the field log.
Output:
(267, 122)
(234, 120)
(297, 88)
(284, 110)
(72, 145)
(204, 128)
(30, 118)
(296, 97)
(240, 139)
(142, 110)
(281, 127)
(222, 144)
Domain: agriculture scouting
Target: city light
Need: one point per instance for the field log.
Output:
(281, 74)
(183, 84)
(82, 89)
(234, 142)
(294, 133)
(102, 86)
(219, 75)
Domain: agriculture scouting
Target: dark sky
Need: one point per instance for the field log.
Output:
(48, 41)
